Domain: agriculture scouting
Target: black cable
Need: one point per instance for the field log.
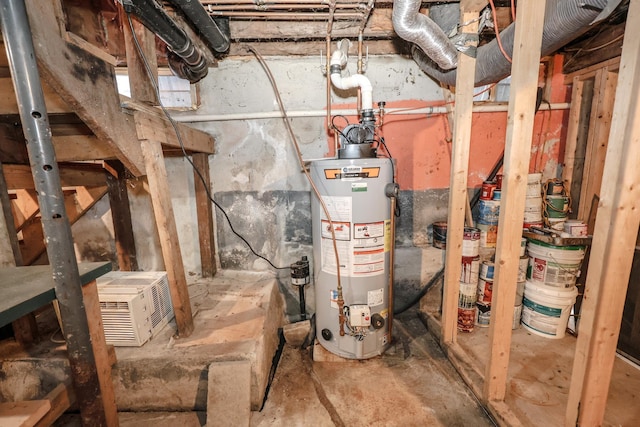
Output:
(336, 127)
(156, 88)
(439, 275)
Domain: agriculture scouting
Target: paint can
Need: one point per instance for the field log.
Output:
(556, 267)
(486, 254)
(486, 270)
(487, 189)
(554, 187)
(532, 209)
(470, 242)
(488, 212)
(488, 235)
(545, 311)
(517, 313)
(529, 225)
(499, 182)
(483, 316)
(523, 246)
(440, 234)
(466, 307)
(470, 270)
(556, 223)
(575, 228)
(485, 290)
(519, 292)
(556, 206)
(497, 194)
(533, 184)
(523, 264)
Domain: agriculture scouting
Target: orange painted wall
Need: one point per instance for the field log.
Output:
(420, 143)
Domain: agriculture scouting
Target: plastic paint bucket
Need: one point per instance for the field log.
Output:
(488, 212)
(488, 235)
(533, 184)
(486, 270)
(470, 242)
(440, 234)
(546, 311)
(554, 266)
(470, 270)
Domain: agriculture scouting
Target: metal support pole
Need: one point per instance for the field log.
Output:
(16, 33)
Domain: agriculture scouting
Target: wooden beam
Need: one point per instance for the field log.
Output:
(121, 216)
(458, 197)
(100, 351)
(520, 117)
(74, 148)
(153, 125)
(61, 398)
(9, 104)
(142, 89)
(613, 246)
(23, 413)
(573, 126)
(78, 76)
(78, 175)
(9, 248)
(598, 135)
(167, 230)
(205, 214)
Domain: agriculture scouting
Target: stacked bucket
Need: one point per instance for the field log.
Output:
(468, 279)
(488, 214)
(550, 291)
(533, 202)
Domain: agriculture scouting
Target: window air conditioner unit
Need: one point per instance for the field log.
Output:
(135, 305)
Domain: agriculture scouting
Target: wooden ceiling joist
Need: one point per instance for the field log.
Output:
(71, 175)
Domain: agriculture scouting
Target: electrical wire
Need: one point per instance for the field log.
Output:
(497, 30)
(296, 146)
(513, 10)
(174, 125)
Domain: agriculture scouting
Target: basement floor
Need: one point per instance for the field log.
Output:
(164, 383)
(413, 384)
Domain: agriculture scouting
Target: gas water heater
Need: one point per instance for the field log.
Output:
(353, 232)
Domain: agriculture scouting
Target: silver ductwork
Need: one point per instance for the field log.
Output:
(417, 28)
(565, 20)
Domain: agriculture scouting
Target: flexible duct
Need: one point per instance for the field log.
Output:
(339, 60)
(565, 20)
(217, 37)
(415, 27)
(185, 59)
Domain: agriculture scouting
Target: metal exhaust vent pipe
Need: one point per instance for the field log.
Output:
(417, 28)
(565, 20)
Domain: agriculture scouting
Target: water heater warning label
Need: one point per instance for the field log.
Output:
(349, 173)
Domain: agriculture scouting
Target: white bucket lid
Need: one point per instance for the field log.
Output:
(550, 292)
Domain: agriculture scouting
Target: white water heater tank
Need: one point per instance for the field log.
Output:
(354, 191)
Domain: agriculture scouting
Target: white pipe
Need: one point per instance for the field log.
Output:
(483, 108)
(338, 61)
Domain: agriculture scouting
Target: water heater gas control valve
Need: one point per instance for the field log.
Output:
(359, 315)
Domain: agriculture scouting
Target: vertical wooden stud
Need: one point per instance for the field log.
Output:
(520, 117)
(613, 246)
(205, 214)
